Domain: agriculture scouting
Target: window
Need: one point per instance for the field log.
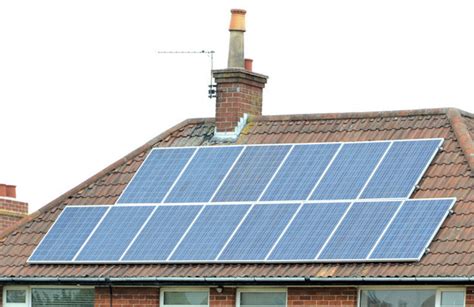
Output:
(412, 298)
(48, 296)
(261, 297)
(452, 298)
(62, 297)
(15, 296)
(184, 297)
(398, 298)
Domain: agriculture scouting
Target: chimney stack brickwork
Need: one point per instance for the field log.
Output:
(11, 210)
(239, 90)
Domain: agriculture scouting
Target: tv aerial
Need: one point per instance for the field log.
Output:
(211, 93)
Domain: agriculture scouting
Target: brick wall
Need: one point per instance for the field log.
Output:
(346, 297)
(226, 298)
(470, 297)
(238, 92)
(148, 297)
(11, 211)
(127, 297)
(233, 100)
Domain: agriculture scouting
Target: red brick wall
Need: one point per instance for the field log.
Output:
(11, 211)
(127, 297)
(470, 297)
(148, 297)
(233, 100)
(226, 298)
(346, 297)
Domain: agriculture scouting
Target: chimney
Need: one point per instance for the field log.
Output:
(239, 90)
(11, 210)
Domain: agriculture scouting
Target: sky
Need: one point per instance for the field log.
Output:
(82, 83)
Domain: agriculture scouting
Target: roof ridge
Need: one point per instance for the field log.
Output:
(369, 114)
(464, 138)
(57, 201)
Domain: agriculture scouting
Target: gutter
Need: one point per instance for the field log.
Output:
(302, 281)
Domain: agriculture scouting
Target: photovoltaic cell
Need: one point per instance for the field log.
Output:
(156, 176)
(301, 171)
(350, 170)
(359, 230)
(411, 231)
(204, 174)
(258, 232)
(68, 234)
(162, 233)
(398, 173)
(210, 232)
(115, 233)
(308, 232)
(252, 172)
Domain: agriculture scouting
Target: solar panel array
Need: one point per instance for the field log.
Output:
(324, 202)
(382, 169)
(309, 232)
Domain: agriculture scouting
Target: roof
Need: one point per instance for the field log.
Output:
(451, 174)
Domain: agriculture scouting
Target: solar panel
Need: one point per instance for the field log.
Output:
(359, 230)
(204, 174)
(210, 232)
(413, 229)
(68, 234)
(308, 231)
(156, 176)
(258, 232)
(251, 174)
(162, 233)
(350, 170)
(260, 203)
(401, 169)
(301, 171)
(115, 233)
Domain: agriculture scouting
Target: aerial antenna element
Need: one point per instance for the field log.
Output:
(210, 53)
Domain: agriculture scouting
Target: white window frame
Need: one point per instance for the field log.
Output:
(182, 289)
(29, 298)
(25, 288)
(260, 289)
(438, 291)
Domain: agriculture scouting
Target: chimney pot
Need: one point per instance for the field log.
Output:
(236, 42)
(248, 64)
(237, 21)
(7, 190)
(11, 191)
(3, 190)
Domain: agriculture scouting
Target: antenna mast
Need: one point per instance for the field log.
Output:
(210, 53)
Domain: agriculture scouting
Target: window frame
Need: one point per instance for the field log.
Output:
(260, 289)
(25, 288)
(438, 291)
(29, 298)
(183, 289)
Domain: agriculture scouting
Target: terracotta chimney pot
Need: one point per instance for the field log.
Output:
(248, 64)
(237, 20)
(3, 190)
(10, 191)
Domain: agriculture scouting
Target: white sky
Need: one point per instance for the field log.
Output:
(81, 84)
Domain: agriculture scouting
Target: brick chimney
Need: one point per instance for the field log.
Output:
(239, 90)
(11, 210)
